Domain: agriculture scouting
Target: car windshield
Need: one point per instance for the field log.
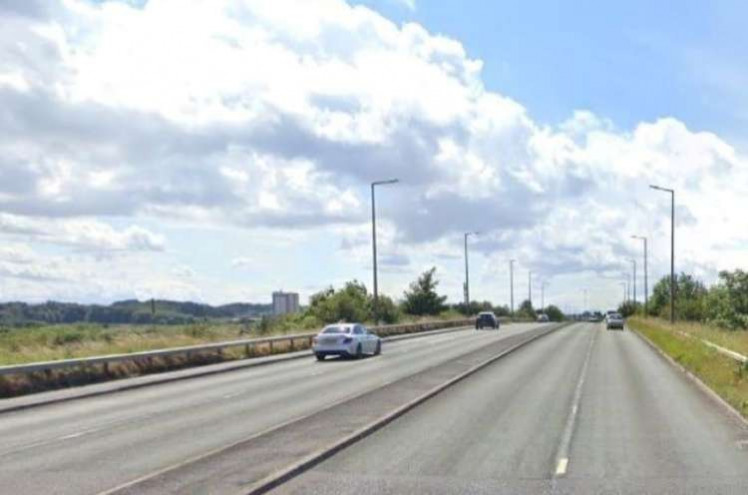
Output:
(337, 329)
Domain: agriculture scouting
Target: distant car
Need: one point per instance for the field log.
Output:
(543, 318)
(486, 319)
(346, 339)
(613, 321)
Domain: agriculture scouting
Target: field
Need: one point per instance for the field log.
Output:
(722, 374)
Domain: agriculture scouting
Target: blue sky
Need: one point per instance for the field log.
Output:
(223, 149)
(629, 61)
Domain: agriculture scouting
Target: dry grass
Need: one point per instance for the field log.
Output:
(722, 374)
(49, 343)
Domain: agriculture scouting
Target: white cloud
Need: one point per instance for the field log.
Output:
(93, 235)
(243, 263)
(236, 114)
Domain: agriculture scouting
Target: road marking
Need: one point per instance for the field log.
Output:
(561, 466)
(74, 435)
(562, 462)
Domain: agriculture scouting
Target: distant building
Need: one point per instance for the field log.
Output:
(285, 302)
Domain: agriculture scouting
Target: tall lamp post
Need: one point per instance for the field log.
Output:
(467, 272)
(543, 285)
(633, 263)
(646, 286)
(511, 286)
(672, 249)
(374, 240)
(529, 286)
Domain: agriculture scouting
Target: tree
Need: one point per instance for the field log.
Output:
(629, 308)
(526, 310)
(352, 303)
(690, 298)
(501, 310)
(387, 310)
(554, 313)
(473, 308)
(421, 298)
(727, 302)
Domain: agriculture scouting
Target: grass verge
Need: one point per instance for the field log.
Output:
(49, 343)
(725, 376)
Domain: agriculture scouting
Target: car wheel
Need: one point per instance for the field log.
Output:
(359, 352)
(320, 357)
(378, 350)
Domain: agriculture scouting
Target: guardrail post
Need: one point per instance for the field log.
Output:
(271, 347)
(246, 350)
(291, 345)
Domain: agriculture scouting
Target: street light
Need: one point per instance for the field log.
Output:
(646, 284)
(467, 272)
(374, 240)
(672, 249)
(529, 286)
(511, 286)
(633, 262)
(543, 285)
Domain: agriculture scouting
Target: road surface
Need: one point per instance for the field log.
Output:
(93, 444)
(582, 410)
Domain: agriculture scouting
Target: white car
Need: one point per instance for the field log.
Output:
(346, 339)
(614, 320)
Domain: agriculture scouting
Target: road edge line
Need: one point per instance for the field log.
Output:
(275, 480)
(703, 387)
(164, 380)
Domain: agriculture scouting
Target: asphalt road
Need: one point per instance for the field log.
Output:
(94, 444)
(581, 410)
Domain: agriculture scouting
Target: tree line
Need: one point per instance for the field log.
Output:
(124, 312)
(354, 303)
(725, 304)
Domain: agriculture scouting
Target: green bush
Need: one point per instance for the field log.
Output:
(421, 298)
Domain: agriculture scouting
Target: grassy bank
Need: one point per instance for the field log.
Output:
(722, 374)
(48, 343)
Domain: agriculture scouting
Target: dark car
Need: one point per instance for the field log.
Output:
(486, 319)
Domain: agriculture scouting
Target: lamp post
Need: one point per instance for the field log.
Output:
(633, 263)
(542, 296)
(672, 249)
(374, 240)
(467, 271)
(529, 286)
(511, 287)
(646, 283)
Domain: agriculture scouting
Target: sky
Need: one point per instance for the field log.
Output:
(219, 150)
